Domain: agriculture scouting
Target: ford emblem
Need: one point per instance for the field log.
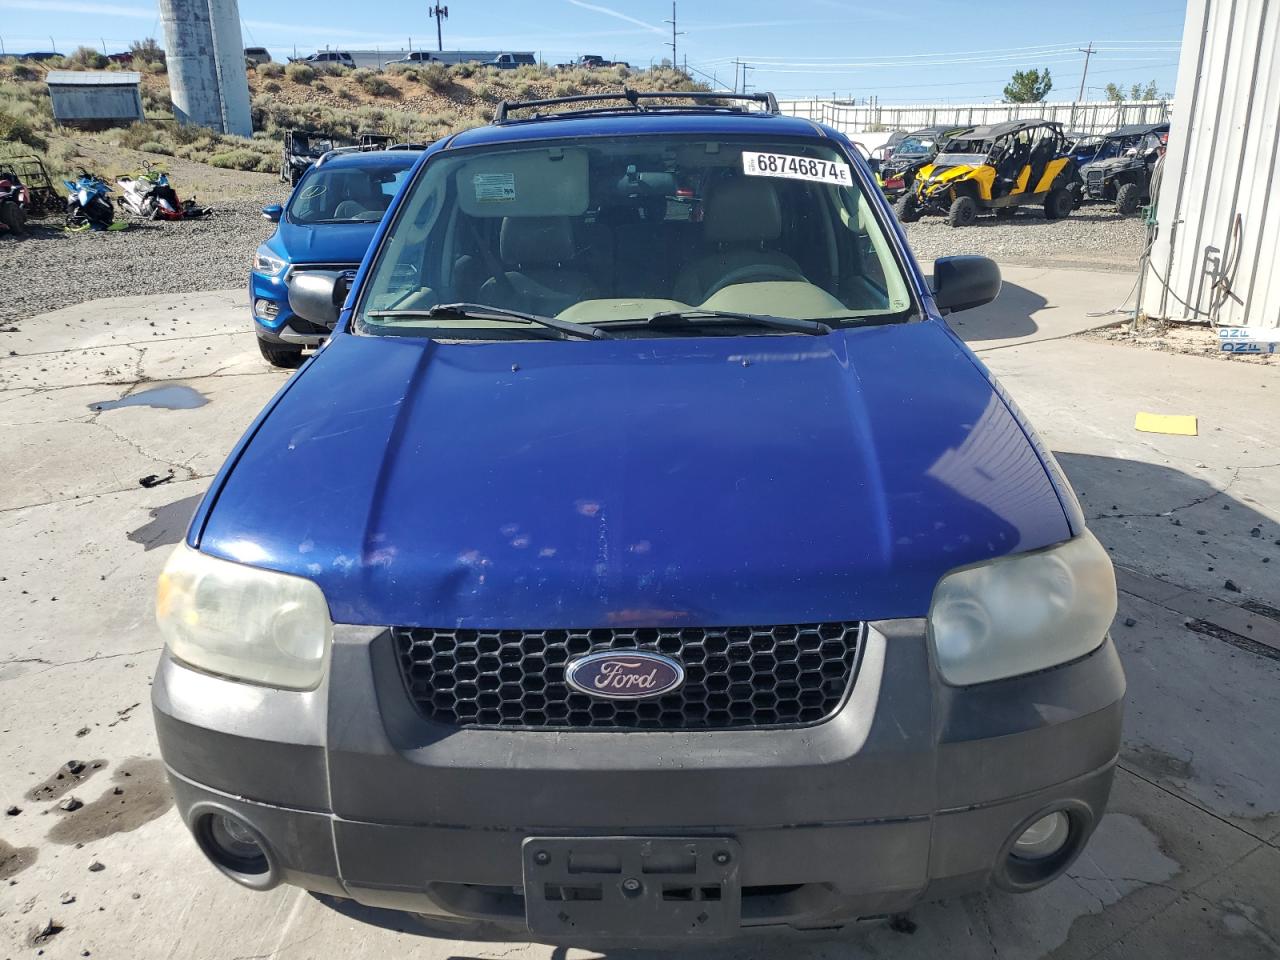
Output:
(624, 674)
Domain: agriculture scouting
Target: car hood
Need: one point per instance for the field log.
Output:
(324, 242)
(708, 480)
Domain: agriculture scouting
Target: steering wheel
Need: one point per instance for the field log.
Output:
(756, 273)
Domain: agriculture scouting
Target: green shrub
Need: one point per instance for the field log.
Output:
(300, 73)
(19, 130)
(270, 69)
(156, 66)
(23, 71)
(87, 58)
(236, 160)
(464, 70)
(374, 83)
(271, 87)
(436, 76)
(155, 146)
(146, 51)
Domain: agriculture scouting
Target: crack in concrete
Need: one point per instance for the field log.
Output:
(1192, 803)
(127, 343)
(56, 664)
(1172, 510)
(89, 497)
(123, 383)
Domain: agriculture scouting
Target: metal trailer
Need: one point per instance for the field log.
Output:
(1217, 219)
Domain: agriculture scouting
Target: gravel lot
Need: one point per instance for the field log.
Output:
(1093, 236)
(52, 269)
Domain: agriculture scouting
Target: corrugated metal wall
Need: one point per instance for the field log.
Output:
(1217, 245)
(1092, 116)
(99, 102)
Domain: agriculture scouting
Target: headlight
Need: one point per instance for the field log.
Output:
(264, 261)
(1023, 613)
(243, 622)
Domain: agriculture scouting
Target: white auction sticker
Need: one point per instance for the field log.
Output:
(495, 187)
(796, 168)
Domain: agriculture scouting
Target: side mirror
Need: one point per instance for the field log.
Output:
(962, 283)
(273, 212)
(318, 295)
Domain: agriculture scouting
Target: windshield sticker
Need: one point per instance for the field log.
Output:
(495, 187)
(796, 168)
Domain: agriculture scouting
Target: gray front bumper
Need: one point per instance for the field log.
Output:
(912, 791)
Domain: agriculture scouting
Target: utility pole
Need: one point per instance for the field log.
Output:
(745, 67)
(736, 64)
(675, 62)
(440, 15)
(1088, 52)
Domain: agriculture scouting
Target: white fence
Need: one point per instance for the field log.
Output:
(1092, 116)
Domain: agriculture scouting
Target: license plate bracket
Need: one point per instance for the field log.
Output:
(632, 886)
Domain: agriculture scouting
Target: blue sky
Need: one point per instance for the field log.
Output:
(902, 52)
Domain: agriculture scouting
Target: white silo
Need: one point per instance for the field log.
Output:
(228, 46)
(189, 56)
(205, 57)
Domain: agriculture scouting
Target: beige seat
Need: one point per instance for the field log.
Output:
(740, 217)
(534, 252)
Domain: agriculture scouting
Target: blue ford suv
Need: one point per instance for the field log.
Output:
(669, 568)
(323, 231)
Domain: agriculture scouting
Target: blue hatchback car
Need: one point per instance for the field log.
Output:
(324, 230)
(668, 569)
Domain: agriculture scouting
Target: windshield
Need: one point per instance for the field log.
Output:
(915, 146)
(348, 194)
(602, 230)
(960, 151)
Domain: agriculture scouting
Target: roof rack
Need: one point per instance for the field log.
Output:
(633, 98)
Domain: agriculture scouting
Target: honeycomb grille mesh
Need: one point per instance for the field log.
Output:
(735, 677)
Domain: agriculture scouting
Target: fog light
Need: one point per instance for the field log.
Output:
(1043, 838)
(267, 309)
(233, 845)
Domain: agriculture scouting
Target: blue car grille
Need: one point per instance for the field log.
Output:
(735, 677)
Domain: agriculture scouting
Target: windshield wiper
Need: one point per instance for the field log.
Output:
(693, 318)
(567, 329)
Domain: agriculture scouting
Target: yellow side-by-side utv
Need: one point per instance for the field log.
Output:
(998, 168)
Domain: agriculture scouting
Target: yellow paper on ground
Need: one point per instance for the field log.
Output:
(1176, 423)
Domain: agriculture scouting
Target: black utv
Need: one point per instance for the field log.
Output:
(913, 151)
(1120, 171)
(302, 148)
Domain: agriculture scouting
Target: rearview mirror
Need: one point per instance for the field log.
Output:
(962, 283)
(317, 295)
(273, 212)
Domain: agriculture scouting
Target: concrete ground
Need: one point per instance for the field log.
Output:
(1186, 862)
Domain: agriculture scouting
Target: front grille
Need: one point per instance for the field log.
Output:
(1095, 176)
(735, 677)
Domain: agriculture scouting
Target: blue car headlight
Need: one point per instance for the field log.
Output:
(1022, 613)
(265, 261)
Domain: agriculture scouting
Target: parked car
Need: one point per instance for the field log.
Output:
(123, 58)
(323, 231)
(257, 55)
(39, 55)
(910, 153)
(302, 148)
(617, 574)
(414, 57)
(590, 61)
(510, 61)
(1120, 170)
(335, 58)
(995, 168)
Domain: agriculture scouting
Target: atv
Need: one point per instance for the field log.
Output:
(1120, 173)
(29, 171)
(302, 148)
(912, 152)
(999, 168)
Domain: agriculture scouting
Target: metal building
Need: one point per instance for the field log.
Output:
(205, 56)
(1216, 253)
(95, 99)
